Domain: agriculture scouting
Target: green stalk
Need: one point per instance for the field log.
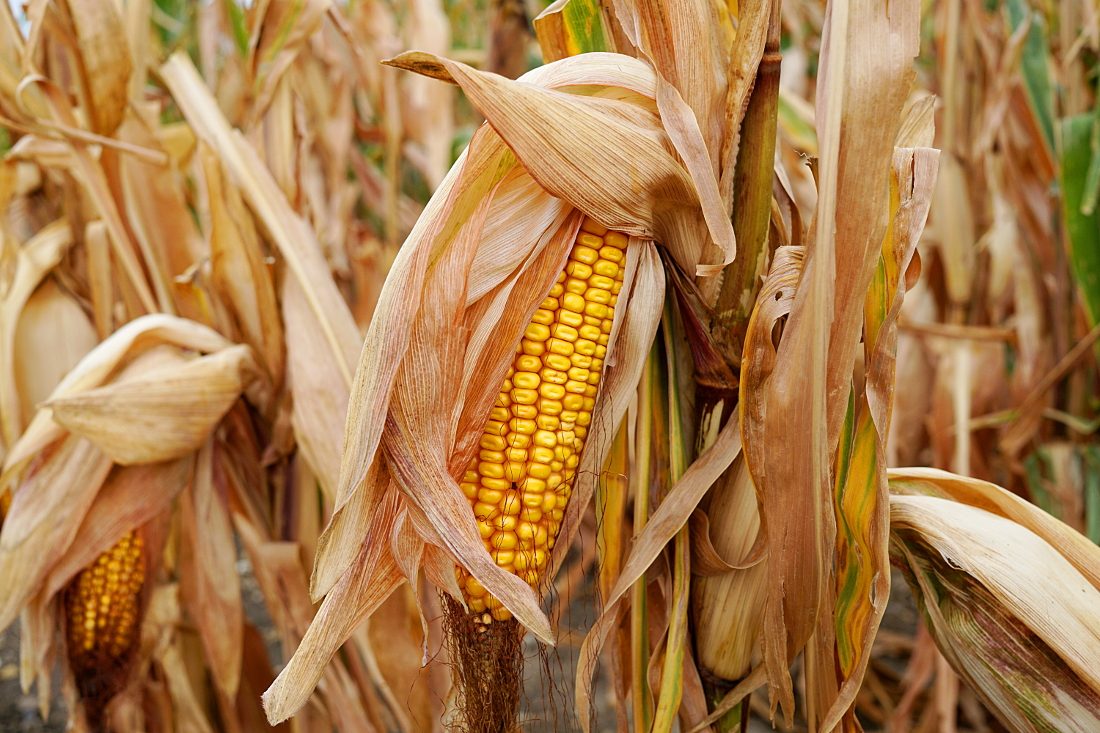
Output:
(641, 478)
(672, 677)
(752, 201)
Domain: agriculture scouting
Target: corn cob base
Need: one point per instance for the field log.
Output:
(487, 663)
(102, 610)
(521, 481)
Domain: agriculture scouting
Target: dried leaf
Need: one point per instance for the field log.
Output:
(359, 592)
(100, 364)
(163, 414)
(104, 59)
(211, 588)
(46, 512)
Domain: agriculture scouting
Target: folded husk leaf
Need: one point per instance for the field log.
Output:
(100, 365)
(582, 150)
(163, 414)
(1014, 618)
(727, 607)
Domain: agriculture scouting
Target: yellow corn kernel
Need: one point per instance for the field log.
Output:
(102, 605)
(524, 411)
(616, 240)
(578, 269)
(570, 318)
(534, 348)
(521, 479)
(527, 363)
(573, 302)
(587, 255)
(593, 227)
(599, 295)
(611, 253)
(543, 316)
(555, 362)
(551, 406)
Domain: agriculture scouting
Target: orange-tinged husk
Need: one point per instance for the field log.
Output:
(463, 289)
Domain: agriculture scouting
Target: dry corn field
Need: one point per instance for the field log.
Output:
(617, 366)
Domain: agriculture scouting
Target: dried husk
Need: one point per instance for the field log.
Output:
(47, 509)
(52, 336)
(99, 366)
(1013, 617)
(31, 264)
(727, 606)
(160, 414)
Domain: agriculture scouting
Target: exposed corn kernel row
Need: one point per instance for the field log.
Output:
(102, 601)
(522, 479)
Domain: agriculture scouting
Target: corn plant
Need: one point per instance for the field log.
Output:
(177, 349)
(628, 304)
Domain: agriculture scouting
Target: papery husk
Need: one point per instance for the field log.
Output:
(581, 149)
(99, 366)
(46, 511)
(53, 335)
(162, 414)
(1013, 617)
(1081, 553)
(31, 264)
(727, 606)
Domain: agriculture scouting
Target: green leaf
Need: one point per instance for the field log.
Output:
(240, 27)
(1082, 230)
(1033, 65)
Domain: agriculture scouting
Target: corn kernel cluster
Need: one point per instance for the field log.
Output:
(522, 478)
(102, 601)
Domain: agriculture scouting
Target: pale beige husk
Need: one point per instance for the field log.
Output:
(1014, 617)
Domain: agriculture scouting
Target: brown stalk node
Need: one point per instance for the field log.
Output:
(488, 668)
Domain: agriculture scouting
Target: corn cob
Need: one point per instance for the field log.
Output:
(520, 482)
(102, 604)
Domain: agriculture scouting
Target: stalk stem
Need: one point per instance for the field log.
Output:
(752, 201)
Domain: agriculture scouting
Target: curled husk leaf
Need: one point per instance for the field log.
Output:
(1014, 617)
